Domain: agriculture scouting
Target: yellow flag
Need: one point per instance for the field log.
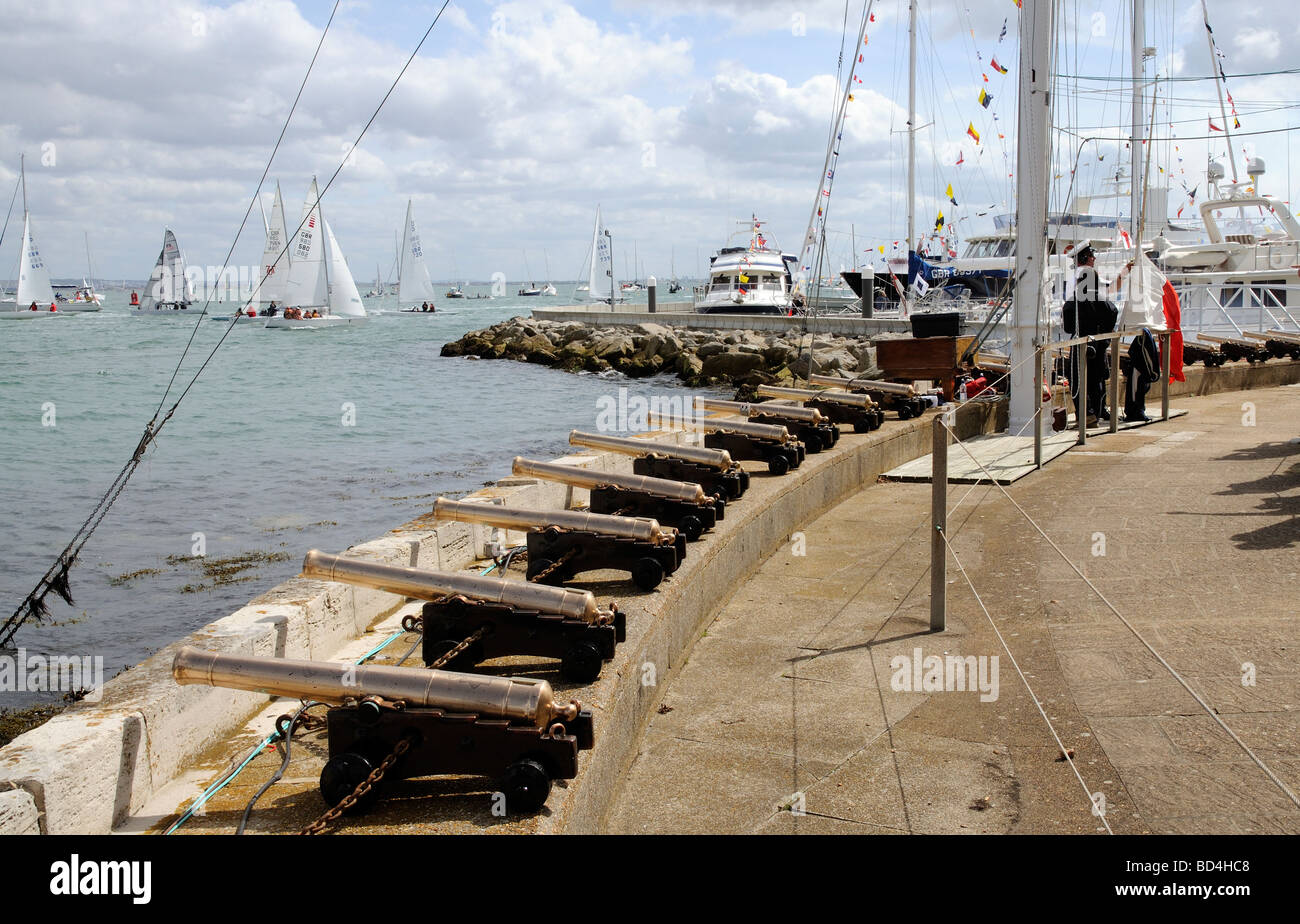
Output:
(881, 248)
(949, 193)
(744, 278)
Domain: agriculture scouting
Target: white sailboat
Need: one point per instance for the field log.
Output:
(276, 263)
(169, 289)
(602, 285)
(35, 297)
(414, 287)
(319, 279)
(83, 298)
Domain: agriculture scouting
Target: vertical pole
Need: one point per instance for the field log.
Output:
(1081, 398)
(1166, 339)
(1114, 384)
(939, 526)
(652, 285)
(1033, 151)
(1038, 417)
(911, 127)
(1135, 183)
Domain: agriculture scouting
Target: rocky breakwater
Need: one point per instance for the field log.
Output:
(697, 357)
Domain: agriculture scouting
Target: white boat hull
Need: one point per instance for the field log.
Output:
(311, 323)
(30, 315)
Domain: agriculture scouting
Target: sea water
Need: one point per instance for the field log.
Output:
(289, 440)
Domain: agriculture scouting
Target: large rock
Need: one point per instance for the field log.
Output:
(611, 346)
(731, 364)
(710, 349)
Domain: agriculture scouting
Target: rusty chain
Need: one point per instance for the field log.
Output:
(546, 572)
(320, 824)
(451, 655)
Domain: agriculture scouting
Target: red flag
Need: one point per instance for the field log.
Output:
(998, 67)
(961, 158)
(1213, 127)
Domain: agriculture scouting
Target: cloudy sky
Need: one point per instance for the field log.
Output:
(679, 118)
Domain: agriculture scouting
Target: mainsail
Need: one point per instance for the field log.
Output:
(342, 296)
(603, 284)
(33, 277)
(306, 284)
(413, 283)
(275, 258)
(168, 283)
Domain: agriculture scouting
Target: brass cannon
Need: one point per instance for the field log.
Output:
(680, 504)
(761, 442)
(562, 543)
(808, 424)
(435, 722)
(711, 469)
(511, 617)
(894, 396)
(859, 411)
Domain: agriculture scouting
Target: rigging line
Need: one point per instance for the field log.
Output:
(1215, 137)
(1128, 625)
(1292, 70)
(12, 199)
(337, 170)
(256, 198)
(1065, 752)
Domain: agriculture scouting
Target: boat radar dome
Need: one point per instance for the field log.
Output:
(1255, 168)
(1214, 171)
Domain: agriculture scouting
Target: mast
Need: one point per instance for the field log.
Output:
(1218, 86)
(1135, 185)
(1033, 154)
(325, 250)
(911, 125)
(22, 171)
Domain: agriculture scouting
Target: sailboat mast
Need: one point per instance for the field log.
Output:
(325, 249)
(22, 170)
(911, 125)
(1033, 154)
(1135, 184)
(1218, 85)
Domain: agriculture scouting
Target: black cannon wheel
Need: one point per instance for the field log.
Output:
(581, 663)
(340, 777)
(778, 464)
(692, 527)
(813, 441)
(526, 786)
(862, 425)
(905, 411)
(647, 573)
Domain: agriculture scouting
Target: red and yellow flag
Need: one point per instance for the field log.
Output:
(974, 134)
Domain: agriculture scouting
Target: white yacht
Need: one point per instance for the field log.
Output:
(749, 279)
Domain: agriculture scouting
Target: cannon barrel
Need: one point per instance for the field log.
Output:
(587, 478)
(807, 394)
(429, 585)
(894, 388)
(642, 528)
(518, 699)
(714, 458)
(811, 415)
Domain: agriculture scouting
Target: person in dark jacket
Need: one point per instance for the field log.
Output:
(1144, 371)
(1090, 312)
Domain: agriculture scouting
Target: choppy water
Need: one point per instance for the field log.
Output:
(257, 459)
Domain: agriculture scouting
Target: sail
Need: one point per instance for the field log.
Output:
(413, 283)
(602, 281)
(343, 297)
(33, 277)
(167, 282)
(274, 272)
(306, 283)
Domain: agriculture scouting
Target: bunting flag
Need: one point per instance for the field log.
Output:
(985, 97)
(1213, 127)
(743, 278)
(938, 222)
(1018, 4)
(950, 195)
(970, 130)
(998, 67)
(1003, 33)
(961, 158)
(1236, 123)
(850, 97)
(986, 80)
(881, 248)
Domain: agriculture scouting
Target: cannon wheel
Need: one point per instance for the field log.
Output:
(526, 786)
(340, 777)
(691, 526)
(862, 425)
(581, 663)
(813, 441)
(905, 411)
(778, 464)
(647, 573)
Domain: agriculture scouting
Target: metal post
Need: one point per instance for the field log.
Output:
(1165, 340)
(651, 285)
(1114, 384)
(939, 526)
(1038, 417)
(1081, 398)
